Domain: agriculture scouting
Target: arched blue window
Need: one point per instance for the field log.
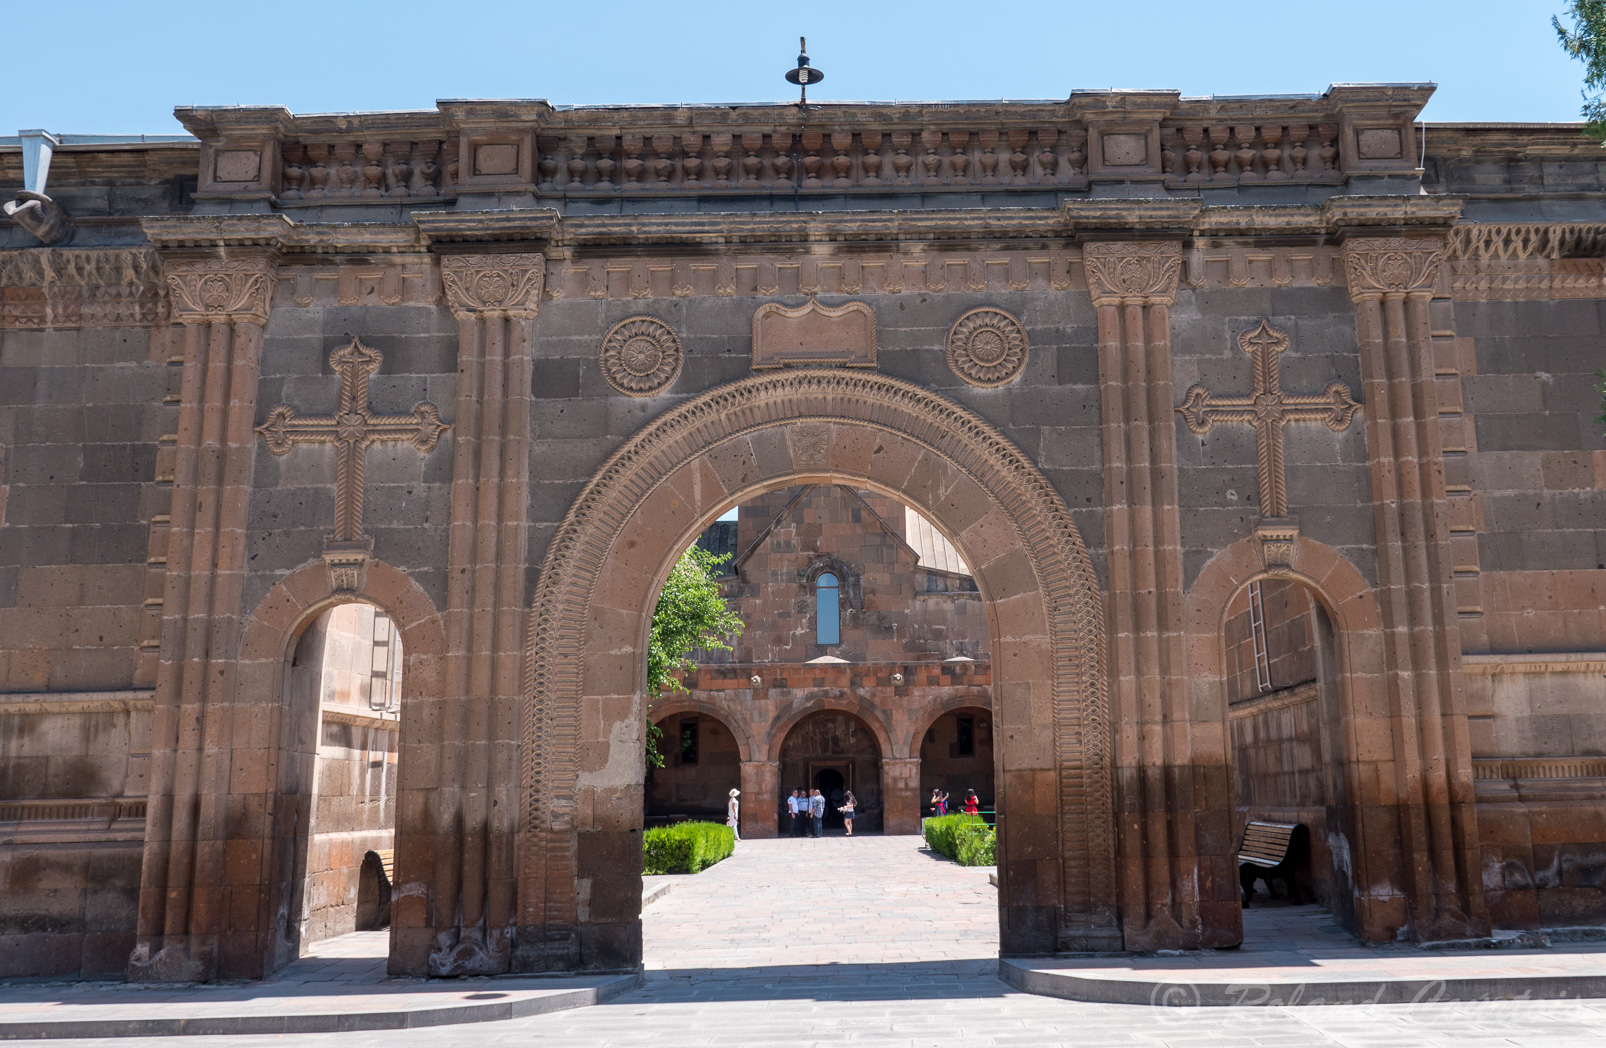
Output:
(827, 612)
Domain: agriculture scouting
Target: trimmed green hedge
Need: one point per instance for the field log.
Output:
(686, 847)
(966, 839)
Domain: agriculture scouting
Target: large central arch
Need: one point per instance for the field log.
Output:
(585, 674)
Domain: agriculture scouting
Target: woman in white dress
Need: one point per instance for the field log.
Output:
(733, 813)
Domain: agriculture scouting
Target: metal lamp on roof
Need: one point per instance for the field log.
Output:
(804, 74)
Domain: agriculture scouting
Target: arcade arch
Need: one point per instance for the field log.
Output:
(646, 504)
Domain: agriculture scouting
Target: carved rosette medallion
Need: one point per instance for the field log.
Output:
(1392, 266)
(1141, 273)
(641, 356)
(493, 285)
(987, 347)
(216, 290)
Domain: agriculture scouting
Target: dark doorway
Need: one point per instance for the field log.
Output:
(831, 784)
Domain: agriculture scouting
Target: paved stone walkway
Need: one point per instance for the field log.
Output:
(872, 942)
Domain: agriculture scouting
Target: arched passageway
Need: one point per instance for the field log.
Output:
(956, 755)
(342, 684)
(702, 763)
(581, 744)
(833, 751)
(1286, 735)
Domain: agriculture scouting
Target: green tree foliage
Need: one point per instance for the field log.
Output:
(1586, 41)
(691, 616)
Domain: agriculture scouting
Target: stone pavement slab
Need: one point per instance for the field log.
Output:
(1299, 955)
(872, 942)
(341, 985)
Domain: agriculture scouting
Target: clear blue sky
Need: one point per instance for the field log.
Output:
(120, 68)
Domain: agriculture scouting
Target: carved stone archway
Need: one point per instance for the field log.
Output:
(268, 636)
(585, 672)
(1352, 607)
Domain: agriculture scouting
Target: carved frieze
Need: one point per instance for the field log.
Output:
(641, 356)
(219, 289)
(493, 285)
(987, 347)
(1392, 266)
(81, 287)
(812, 333)
(1137, 273)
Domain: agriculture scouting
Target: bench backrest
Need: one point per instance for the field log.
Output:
(1266, 843)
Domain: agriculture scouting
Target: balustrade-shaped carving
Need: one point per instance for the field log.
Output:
(810, 160)
(368, 170)
(1231, 153)
(1206, 151)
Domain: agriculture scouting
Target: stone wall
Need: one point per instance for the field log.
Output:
(891, 607)
(1533, 603)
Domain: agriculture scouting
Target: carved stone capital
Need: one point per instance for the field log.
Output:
(493, 285)
(1386, 266)
(1142, 273)
(215, 289)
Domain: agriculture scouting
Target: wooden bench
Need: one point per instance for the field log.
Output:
(1271, 850)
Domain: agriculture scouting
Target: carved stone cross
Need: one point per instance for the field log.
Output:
(352, 429)
(1268, 409)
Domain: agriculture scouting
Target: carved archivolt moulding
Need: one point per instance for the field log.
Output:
(987, 347)
(798, 402)
(641, 356)
(493, 285)
(1392, 266)
(209, 290)
(1142, 273)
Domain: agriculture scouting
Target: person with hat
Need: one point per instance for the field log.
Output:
(733, 812)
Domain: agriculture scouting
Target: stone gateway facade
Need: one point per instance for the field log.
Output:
(1266, 429)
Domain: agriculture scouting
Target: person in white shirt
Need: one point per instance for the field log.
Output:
(791, 810)
(733, 812)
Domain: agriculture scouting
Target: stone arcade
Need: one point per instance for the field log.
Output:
(1264, 427)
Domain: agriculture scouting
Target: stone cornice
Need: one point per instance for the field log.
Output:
(524, 225)
(1535, 662)
(218, 231)
(453, 230)
(55, 702)
(539, 115)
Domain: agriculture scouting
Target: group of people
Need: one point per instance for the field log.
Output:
(806, 809)
(939, 803)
